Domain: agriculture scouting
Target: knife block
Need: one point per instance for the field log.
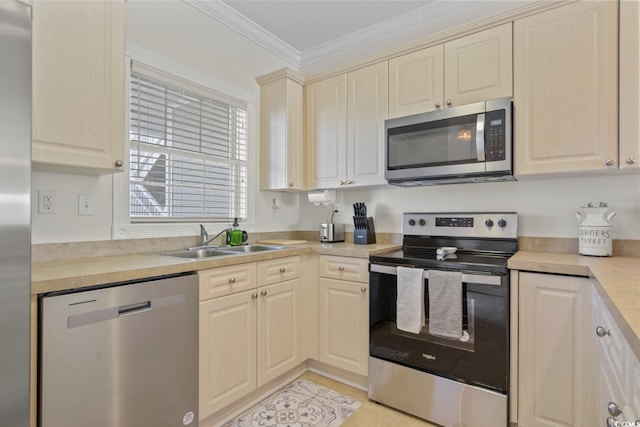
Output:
(365, 236)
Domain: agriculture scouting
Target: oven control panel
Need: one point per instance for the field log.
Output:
(483, 224)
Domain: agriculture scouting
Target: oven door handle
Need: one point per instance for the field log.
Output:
(480, 279)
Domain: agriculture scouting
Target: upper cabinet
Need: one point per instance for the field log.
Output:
(469, 69)
(78, 86)
(566, 89)
(281, 131)
(345, 128)
(629, 84)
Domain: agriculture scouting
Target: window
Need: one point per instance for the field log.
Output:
(188, 151)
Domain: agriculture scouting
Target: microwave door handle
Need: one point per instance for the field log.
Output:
(480, 137)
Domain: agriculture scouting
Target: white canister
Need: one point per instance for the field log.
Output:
(595, 237)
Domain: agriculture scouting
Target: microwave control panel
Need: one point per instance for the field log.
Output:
(494, 137)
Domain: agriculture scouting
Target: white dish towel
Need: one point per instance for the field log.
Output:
(445, 303)
(410, 301)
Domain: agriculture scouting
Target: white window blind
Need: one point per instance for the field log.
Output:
(188, 153)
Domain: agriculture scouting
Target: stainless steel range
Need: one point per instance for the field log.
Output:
(439, 319)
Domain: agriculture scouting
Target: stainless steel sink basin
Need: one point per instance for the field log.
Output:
(218, 251)
(248, 248)
(195, 253)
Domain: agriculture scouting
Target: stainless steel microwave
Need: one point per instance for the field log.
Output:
(469, 143)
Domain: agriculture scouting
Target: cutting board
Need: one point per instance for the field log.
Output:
(282, 242)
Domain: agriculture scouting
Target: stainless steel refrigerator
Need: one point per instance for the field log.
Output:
(15, 215)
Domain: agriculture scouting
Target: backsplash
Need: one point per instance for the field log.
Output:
(58, 251)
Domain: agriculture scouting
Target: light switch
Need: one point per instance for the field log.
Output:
(85, 205)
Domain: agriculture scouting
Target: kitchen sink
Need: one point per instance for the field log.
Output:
(218, 251)
(195, 253)
(248, 248)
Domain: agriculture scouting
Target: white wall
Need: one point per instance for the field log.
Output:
(545, 207)
(185, 41)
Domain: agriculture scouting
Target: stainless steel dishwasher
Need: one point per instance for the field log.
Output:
(125, 355)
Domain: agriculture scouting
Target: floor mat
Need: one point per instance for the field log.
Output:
(299, 404)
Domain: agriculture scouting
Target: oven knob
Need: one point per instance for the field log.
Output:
(502, 223)
(489, 223)
(412, 222)
(422, 222)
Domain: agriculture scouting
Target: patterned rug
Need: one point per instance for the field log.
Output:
(299, 404)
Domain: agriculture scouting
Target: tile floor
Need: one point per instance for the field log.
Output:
(370, 414)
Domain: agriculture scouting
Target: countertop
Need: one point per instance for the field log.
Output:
(617, 281)
(83, 272)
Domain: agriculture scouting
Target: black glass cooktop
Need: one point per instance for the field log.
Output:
(460, 261)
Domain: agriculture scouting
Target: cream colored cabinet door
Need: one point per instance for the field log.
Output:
(478, 66)
(566, 89)
(367, 109)
(416, 82)
(281, 131)
(616, 366)
(227, 350)
(78, 86)
(344, 324)
(326, 102)
(629, 84)
(278, 329)
(555, 373)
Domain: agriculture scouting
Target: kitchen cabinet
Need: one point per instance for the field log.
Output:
(78, 86)
(566, 89)
(345, 128)
(249, 328)
(629, 85)
(282, 156)
(555, 373)
(344, 313)
(617, 370)
(469, 69)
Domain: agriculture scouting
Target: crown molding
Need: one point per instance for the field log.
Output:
(229, 17)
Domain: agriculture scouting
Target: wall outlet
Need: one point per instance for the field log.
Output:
(85, 205)
(47, 202)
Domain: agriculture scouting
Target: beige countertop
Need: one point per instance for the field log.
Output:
(617, 280)
(60, 275)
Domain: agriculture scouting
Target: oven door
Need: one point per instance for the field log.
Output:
(480, 357)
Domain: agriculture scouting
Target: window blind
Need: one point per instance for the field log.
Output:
(188, 154)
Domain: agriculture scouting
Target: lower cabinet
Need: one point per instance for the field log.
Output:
(555, 372)
(247, 338)
(617, 370)
(344, 313)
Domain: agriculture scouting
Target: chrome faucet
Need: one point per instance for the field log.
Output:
(204, 236)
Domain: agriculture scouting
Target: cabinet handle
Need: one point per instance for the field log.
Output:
(254, 295)
(263, 293)
(341, 268)
(119, 163)
(631, 161)
(363, 289)
(449, 103)
(290, 183)
(232, 280)
(282, 270)
(437, 105)
(609, 162)
(614, 409)
(601, 332)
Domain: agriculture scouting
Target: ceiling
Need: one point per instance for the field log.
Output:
(312, 34)
(306, 24)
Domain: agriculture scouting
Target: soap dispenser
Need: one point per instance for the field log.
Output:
(236, 237)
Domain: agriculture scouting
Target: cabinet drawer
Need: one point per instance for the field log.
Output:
(336, 267)
(278, 270)
(222, 281)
